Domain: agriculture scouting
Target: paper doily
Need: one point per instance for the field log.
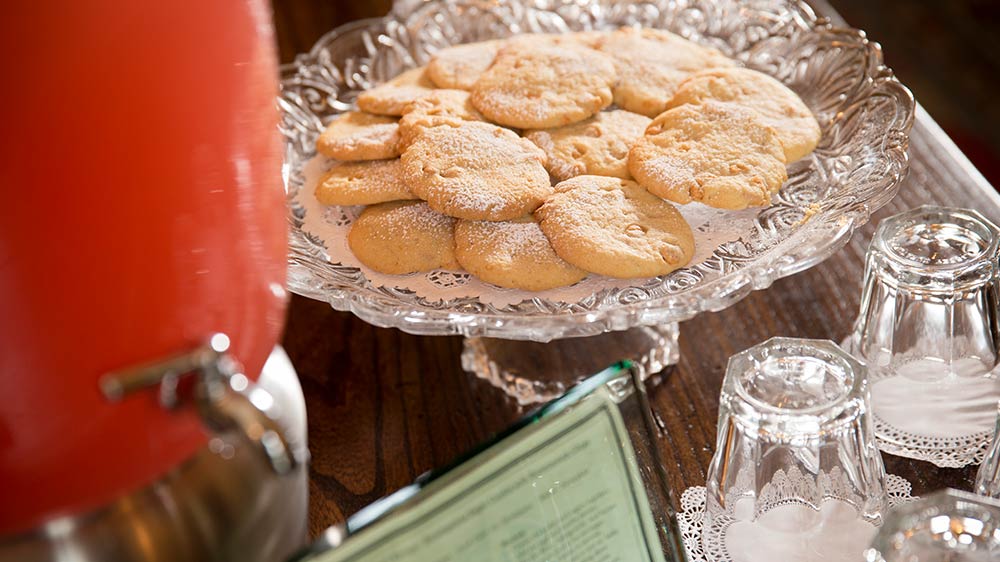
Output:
(773, 535)
(948, 423)
(330, 224)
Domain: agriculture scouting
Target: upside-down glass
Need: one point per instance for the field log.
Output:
(946, 526)
(794, 428)
(928, 312)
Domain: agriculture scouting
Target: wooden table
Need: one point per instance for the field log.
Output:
(385, 406)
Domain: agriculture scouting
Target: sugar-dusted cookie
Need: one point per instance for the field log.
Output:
(402, 237)
(651, 64)
(717, 153)
(616, 228)
(590, 38)
(412, 77)
(544, 86)
(363, 183)
(459, 67)
(780, 107)
(513, 254)
(439, 107)
(529, 41)
(597, 146)
(360, 136)
(391, 98)
(476, 171)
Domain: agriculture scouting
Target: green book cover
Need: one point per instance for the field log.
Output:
(565, 487)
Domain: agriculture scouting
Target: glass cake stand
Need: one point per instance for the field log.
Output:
(534, 345)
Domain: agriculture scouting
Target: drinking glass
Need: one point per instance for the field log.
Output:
(946, 526)
(928, 311)
(794, 428)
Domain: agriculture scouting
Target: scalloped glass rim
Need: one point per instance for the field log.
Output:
(325, 81)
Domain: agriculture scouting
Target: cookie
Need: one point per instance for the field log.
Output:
(360, 136)
(596, 146)
(391, 98)
(651, 64)
(460, 66)
(590, 38)
(402, 237)
(476, 171)
(412, 77)
(717, 153)
(363, 183)
(614, 227)
(529, 41)
(439, 107)
(780, 107)
(512, 254)
(544, 86)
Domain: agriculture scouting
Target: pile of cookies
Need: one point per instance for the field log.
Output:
(534, 161)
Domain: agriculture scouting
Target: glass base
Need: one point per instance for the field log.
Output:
(532, 372)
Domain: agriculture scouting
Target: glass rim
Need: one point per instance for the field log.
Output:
(967, 219)
(944, 502)
(830, 412)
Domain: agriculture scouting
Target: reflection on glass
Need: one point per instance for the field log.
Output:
(794, 429)
(946, 526)
(988, 476)
(928, 311)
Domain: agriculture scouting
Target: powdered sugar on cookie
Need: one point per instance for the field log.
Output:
(513, 254)
(597, 146)
(545, 86)
(715, 153)
(779, 107)
(403, 237)
(360, 136)
(651, 64)
(363, 183)
(613, 227)
(392, 97)
(476, 171)
(460, 66)
(440, 107)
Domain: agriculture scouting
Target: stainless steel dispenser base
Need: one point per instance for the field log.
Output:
(224, 503)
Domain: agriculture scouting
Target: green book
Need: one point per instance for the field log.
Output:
(564, 484)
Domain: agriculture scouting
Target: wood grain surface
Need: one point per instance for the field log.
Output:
(385, 406)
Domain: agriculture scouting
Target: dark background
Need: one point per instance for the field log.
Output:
(947, 52)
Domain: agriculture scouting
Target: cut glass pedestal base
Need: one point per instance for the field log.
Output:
(532, 372)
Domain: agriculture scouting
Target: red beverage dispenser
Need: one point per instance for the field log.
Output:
(142, 266)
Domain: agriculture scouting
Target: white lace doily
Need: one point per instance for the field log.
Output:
(788, 531)
(712, 228)
(948, 423)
